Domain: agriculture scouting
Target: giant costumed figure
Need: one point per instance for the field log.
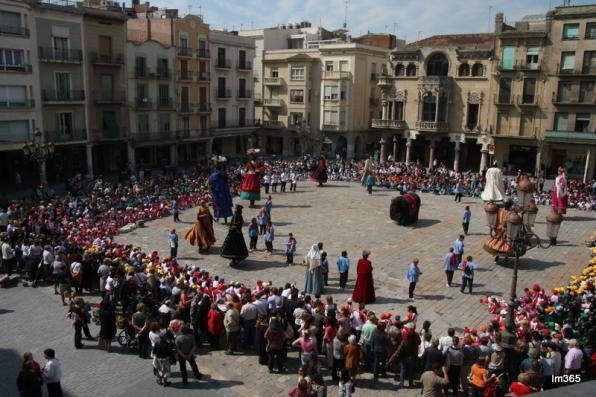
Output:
(559, 193)
(234, 246)
(367, 170)
(220, 190)
(404, 209)
(320, 173)
(250, 189)
(494, 189)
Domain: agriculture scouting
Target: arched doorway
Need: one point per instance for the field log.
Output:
(341, 147)
(357, 145)
(437, 65)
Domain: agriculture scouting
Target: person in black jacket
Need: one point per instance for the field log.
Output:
(164, 356)
(28, 382)
(200, 322)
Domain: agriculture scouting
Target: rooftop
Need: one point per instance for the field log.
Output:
(474, 40)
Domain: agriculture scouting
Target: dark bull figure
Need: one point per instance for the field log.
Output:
(404, 209)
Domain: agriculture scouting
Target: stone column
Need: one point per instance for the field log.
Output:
(174, 154)
(394, 115)
(89, 160)
(483, 159)
(43, 176)
(456, 157)
(350, 148)
(394, 154)
(431, 154)
(538, 161)
(383, 151)
(587, 166)
(131, 154)
(408, 146)
(384, 111)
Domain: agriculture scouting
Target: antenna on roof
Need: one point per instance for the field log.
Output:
(566, 3)
(420, 31)
(346, 2)
(490, 9)
(189, 7)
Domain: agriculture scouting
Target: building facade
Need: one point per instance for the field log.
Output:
(232, 119)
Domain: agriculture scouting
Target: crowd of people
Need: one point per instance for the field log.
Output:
(172, 310)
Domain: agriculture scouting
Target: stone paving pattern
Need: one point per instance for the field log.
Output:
(343, 216)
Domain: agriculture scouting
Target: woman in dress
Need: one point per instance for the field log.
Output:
(313, 283)
(201, 233)
(107, 325)
(250, 189)
(234, 246)
(559, 193)
(320, 173)
(220, 193)
(364, 291)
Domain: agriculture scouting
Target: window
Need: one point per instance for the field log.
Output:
(142, 123)
(109, 124)
(242, 59)
(591, 30)
(399, 70)
(13, 96)
(411, 70)
(526, 123)
(275, 72)
(64, 123)
(140, 66)
(62, 86)
(242, 117)
(162, 67)
(503, 124)
(221, 57)
(343, 66)
(183, 42)
(464, 70)
(331, 92)
(221, 118)
(473, 110)
(142, 96)
(242, 88)
(398, 110)
(10, 22)
(438, 65)
(329, 66)
(571, 31)
(589, 65)
(297, 96)
(478, 70)
(532, 57)
(564, 93)
(561, 121)
(582, 122)
(505, 90)
(221, 86)
(14, 131)
(508, 57)
(297, 73)
(60, 45)
(164, 122)
(185, 124)
(330, 118)
(296, 119)
(567, 61)
(529, 90)
(429, 107)
(295, 43)
(11, 59)
(107, 86)
(274, 116)
(586, 91)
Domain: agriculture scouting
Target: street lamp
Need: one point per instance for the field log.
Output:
(383, 156)
(39, 151)
(394, 149)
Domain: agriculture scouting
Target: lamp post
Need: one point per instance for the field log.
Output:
(394, 149)
(383, 156)
(39, 151)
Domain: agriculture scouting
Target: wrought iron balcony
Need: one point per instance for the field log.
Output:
(114, 60)
(223, 93)
(184, 52)
(244, 66)
(336, 75)
(53, 96)
(204, 108)
(186, 75)
(389, 124)
(221, 63)
(48, 54)
(244, 94)
(203, 76)
(12, 104)
(273, 124)
(272, 81)
(67, 135)
(203, 53)
(165, 103)
(143, 103)
(438, 126)
(109, 98)
(272, 102)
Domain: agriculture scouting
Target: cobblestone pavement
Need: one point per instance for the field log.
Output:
(342, 216)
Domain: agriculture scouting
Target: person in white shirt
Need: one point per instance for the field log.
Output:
(52, 373)
(8, 257)
(573, 359)
(284, 181)
(293, 181)
(446, 341)
(266, 182)
(3, 220)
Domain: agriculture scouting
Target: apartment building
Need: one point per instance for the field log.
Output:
(435, 101)
(193, 97)
(104, 30)
(62, 75)
(19, 92)
(232, 120)
(325, 94)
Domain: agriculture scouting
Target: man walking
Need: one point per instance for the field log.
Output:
(467, 277)
(290, 249)
(343, 266)
(173, 239)
(232, 326)
(458, 248)
(413, 276)
(466, 219)
(52, 373)
(176, 211)
(185, 348)
(450, 264)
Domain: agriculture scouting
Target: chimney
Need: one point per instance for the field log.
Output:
(499, 23)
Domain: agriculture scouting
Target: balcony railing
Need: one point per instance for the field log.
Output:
(185, 75)
(22, 68)
(67, 136)
(223, 94)
(583, 71)
(184, 52)
(389, 124)
(141, 73)
(272, 102)
(203, 76)
(203, 53)
(561, 100)
(432, 125)
(221, 124)
(186, 107)
(48, 54)
(272, 81)
(503, 100)
(522, 66)
(441, 81)
(588, 138)
(274, 124)
(528, 100)
(333, 127)
(109, 98)
(204, 108)
(107, 59)
(335, 74)
(163, 74)
(246, 94)
(14, 30)
(165, 103)
(116, 133)
(223, 64)
(62, 96)
(143, 103)
(26, 104)
(153, 136)
(246, 65)
(384, 81)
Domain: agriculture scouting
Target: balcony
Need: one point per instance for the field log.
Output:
(47, 54)
(270, 102)
(333, 127)
(162, 74)
(336, 75)
(116, 133)
(67, 136)
(21, 68)
(203, 53)
(61, 97)
(224, 124)
(221, 63)
(165, 104)
(503, 100)
(559, 100)
(113, 60)
(153, 136)
(143, 103)
(273, 124)
(273, 81)
(384, 81)
(583, 72)
(186, 108)
(185, 75)
(109, 98)
(372, 101)
(244, 94)
(389, 124)
(203, 76)
(10, 30)
(184, 52)
(582, 138)
(528, 100)
(223, 94)
(15, 105)
(430, 83)
(433, 126)
(142, 73)
(521, 66)
(244, 66)
(204, 108)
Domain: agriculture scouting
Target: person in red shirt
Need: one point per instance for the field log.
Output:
(364, 291)
(214, 325)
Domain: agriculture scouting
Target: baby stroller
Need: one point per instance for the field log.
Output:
(127, 336)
